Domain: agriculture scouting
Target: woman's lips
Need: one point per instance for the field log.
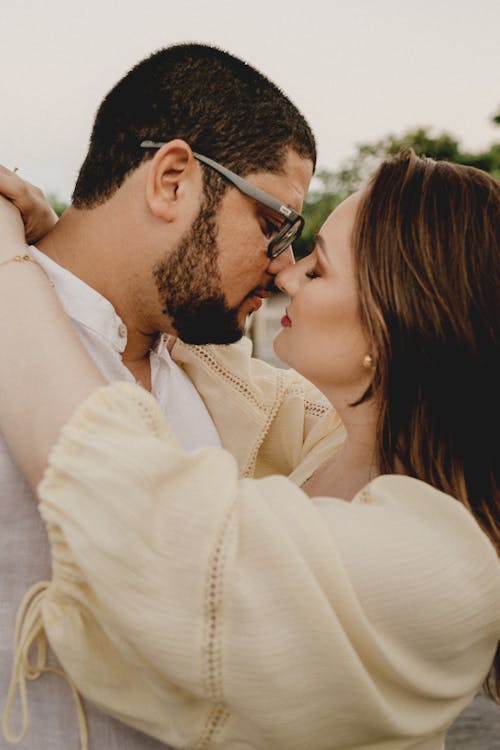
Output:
(285, 320)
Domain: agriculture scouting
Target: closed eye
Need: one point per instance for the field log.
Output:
(269, 229)
(312, 275)
(271, 222)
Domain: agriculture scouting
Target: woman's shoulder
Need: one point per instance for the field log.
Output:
(427, 515)
(436, 572)
(421, 501)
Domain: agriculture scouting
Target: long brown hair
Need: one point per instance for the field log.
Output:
(426, 244)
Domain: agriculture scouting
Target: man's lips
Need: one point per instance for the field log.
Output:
(261, 293)
(255, 297)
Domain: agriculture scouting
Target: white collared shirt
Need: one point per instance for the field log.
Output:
(104, 335)
(24, 548)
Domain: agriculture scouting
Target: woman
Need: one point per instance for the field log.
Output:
(212, 611)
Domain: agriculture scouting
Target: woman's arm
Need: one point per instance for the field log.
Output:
(39, 392)
(36, 212)
(204, 602)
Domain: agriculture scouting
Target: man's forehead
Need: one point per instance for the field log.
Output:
(290, 183)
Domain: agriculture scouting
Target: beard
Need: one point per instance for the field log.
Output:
(190, 286)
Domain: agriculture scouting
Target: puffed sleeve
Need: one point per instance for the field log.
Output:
(211, 611)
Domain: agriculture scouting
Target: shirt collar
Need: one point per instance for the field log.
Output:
(83, 304)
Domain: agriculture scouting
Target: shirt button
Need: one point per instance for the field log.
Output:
(122, 331)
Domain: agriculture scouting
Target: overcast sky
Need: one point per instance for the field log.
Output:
(358, 69)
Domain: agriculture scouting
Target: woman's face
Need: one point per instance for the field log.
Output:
(321, 333)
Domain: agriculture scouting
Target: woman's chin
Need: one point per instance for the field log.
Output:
(280, 348)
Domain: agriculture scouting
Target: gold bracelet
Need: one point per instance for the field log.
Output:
(18, 259)
(26, 256)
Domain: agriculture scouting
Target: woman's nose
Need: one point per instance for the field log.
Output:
(290, 278)
(286, 280)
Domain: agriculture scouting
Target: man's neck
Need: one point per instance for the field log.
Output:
(84, 244)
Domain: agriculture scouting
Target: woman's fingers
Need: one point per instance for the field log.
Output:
(11, 230)
(11, 185)
(37, 214)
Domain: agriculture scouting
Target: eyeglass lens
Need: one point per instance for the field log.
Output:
(285, 238)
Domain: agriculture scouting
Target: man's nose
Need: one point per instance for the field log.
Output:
(283, 261)
(287, 280)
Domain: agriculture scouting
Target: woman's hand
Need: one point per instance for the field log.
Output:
(12, 240)
(37, 215)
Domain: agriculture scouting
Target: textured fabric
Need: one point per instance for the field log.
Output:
(211, 611)
(271, 420)
(24, 548)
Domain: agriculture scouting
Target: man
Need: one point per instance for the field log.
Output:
(160, 237)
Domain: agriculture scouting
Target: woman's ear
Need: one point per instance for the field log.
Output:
(172, 180)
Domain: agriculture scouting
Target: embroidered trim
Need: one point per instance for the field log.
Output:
(216, 720)
(278, 399)
(365, 496)
(314, 408)
(146, 410)
(29, 631)
(214, 600)
(203, 352)
(148, 417)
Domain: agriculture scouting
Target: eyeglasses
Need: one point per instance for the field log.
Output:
(286, 222)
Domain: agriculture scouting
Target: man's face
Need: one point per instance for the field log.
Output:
(220, 270)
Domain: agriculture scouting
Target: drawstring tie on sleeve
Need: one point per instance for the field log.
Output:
(29, 632)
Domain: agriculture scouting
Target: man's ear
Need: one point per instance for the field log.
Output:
(171, 180)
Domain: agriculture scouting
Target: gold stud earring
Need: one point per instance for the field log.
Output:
(367, 361)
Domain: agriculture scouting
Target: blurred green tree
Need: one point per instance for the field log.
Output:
(57, 204)
(332, 187)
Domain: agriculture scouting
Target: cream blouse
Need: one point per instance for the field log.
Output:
(213, 611)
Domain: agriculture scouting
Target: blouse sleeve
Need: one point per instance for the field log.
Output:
(198, 607)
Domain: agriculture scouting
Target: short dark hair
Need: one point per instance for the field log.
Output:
(219, 104)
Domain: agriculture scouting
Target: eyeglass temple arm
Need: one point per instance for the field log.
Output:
(251, 190)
